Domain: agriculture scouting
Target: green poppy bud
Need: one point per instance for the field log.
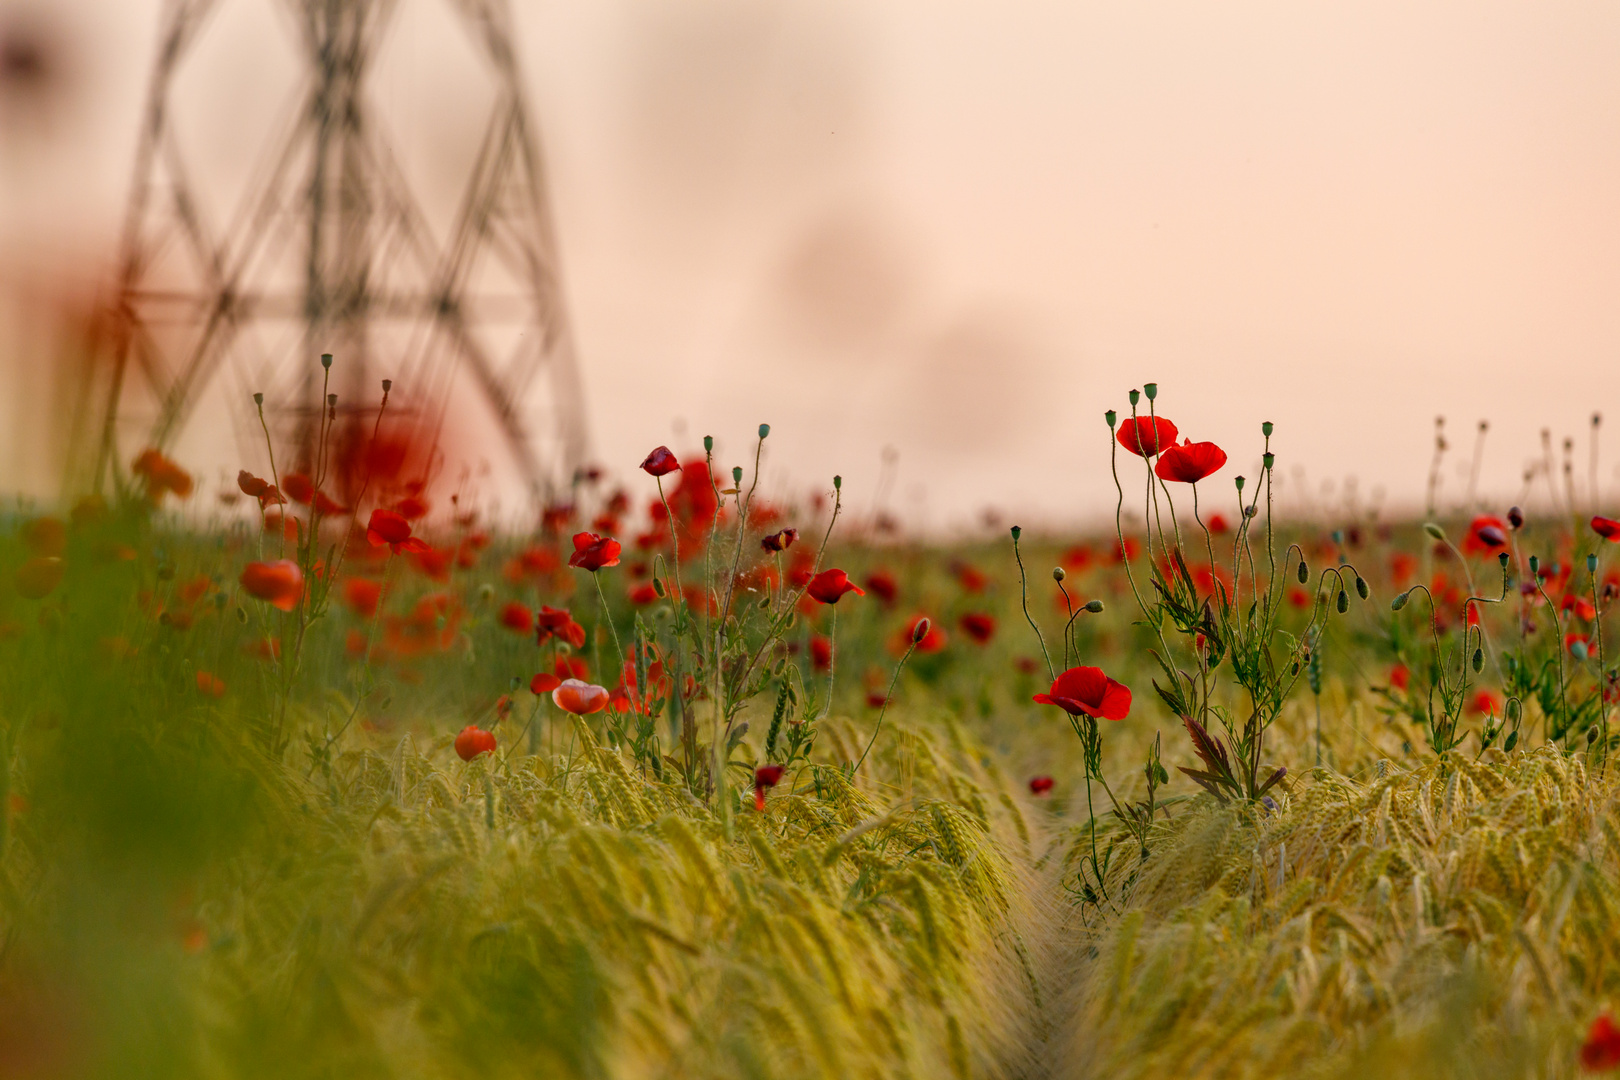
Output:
(1058, 574)
(1578, 650)
(1094, 606)
(1361, 587)
(1151, 389)
(658, 586)
(1479, 660)
(1344, 601)
(1304, 572)
(1338, 536)
(920, 631)
(764, 430)
(1511, 741)
(1399, 602)
(1591, 735)
(1434, 530)
(1266, 429)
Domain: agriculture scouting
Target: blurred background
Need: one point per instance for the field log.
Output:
(949, 235)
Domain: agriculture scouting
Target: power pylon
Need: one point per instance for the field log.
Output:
(330, 251)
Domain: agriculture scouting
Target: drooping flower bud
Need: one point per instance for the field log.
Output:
(1516, 518)
(1344, 602)
(1094, 606)
(1058, 574)
(1400, 601)
(1479, 660)
(1511, 741)
(1434, 530)
(1361, 587)
(1304, 572)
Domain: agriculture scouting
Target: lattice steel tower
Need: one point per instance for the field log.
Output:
(329, 251)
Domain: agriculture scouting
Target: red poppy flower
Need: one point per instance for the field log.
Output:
(517, 618)
(830, 585)
(1040, 785)
(1217, 524)
(299, 487)
(1486, 534)
(543, 683)
(1608, 528)
(1601, 1050)
(779, 541)
(1580, 605)
(978, 626)
(1487, 702)
(660, 462)
(643, 594)
(1190, 462)
(1299, 597)
(162, 475)
(412, 507)
(558, 621)
(579, 697)
(883, 585)
(593, 552)
(1146, 436)
(473, 741)
(875, 700)
(280, 583)
(821, 652)
(1400, 677)
(252, 486)
(210, 685)
(970, 577)
(766, 776)
(387, 527)
(503, 706)
(1027, 665)
(1086, 690)
(362, 596)
(38, 577)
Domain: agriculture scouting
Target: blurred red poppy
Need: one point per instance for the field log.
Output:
(821, 652)
(579, 697)
(210, 685)
(1608, 528)
(38, 577)
(362, 596)
(593, 552)
(298, 486)
(387, 527)
(1486, 701)
(473, 741)
(1217, 524)
(1601, 1050)
(558, 621)
(660, 462)
(1040, 785)
(643, 594)
(1400, 677)
(517, 617)
(1086, 690)
(1190, 462)
(279, 583)
(883, 585)
(162, 475)
(766, 776)
(1486, 534)
(543, 683)
(1146, 436)
(978, 626)
(829, 586)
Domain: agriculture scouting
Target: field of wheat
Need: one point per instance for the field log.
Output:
(317, 774)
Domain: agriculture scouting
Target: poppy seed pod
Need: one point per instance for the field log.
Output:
(1135, 396)
(326, 360)
(708, 444)
(1361, 587)
(920, 631)
(1304, 572)
(1516, 518)
(1017, 531)
(1535, 565)
(1344, 602)
(1502, 557)
(1238, 480)
(388, 386)
(838, 483)
(1266, 428)
(258, 399)
(1591, 563)
(1151, 389)
(764, 430)
(736, 474)
(1112, 417)
(1268, 459)
(1094, 606)
(1057, 573)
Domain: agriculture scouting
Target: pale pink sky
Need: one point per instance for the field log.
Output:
(966, 229)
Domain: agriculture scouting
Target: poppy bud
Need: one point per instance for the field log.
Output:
(1434, 530)
(1112, 417)
(258, 399)
(1511, 742)
(1016, 532)
(1250, 511)
(1344, 602)
(1151, 389)
(764, 430)
(658, 586)
(1361, 587)
(708, 444)
(1266, 428)
(1135, 397)
(736, 474)
(1293, 669)
(1591, 735)
(1399, 602)
(1516, 518)
(1591, 564)
(1268, 459)
(1094, 606)
(1304, 572)
(1479, 660)
(326, 360)
(1057, 573)
(920, 631)
(1535, 565)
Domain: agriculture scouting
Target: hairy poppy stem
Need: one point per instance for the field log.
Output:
(1023, 592)
(888, 694)
(674, 538)
(275, 477)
